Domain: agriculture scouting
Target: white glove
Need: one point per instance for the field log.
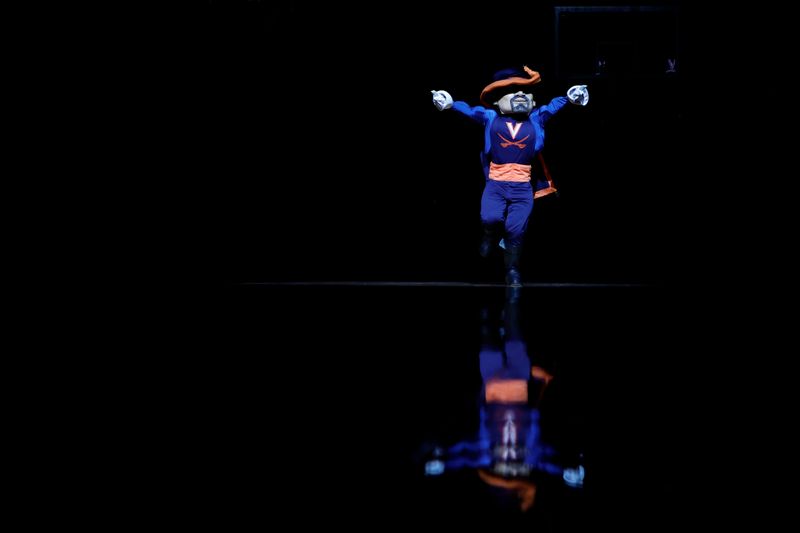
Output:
(578, 94)
(442, 100)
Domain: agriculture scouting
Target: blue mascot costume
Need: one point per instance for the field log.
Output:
(513, 138)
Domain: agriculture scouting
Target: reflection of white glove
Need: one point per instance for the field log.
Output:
(442, 100)
(578, 94)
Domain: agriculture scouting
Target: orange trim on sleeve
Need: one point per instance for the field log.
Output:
(544, 192)
(552, 186)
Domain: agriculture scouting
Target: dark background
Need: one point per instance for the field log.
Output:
(311, 138)
(313, 135)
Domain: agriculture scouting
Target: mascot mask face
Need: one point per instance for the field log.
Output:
(517, 102)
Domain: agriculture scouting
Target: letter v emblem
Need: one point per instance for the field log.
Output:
(513, 130)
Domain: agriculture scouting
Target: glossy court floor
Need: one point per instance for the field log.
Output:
(351, 401)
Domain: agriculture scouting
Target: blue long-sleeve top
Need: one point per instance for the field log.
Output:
(526, 137)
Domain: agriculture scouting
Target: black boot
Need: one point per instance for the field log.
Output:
(511, 314)
(490, 330)
(513, 294)
(488, 240)
(512, 257)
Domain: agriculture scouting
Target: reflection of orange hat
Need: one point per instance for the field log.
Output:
(525, 489)
(506, 79)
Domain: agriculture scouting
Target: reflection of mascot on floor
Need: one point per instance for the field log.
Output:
(508, 452)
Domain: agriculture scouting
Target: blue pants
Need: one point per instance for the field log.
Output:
(511, 363)
(509, 203)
